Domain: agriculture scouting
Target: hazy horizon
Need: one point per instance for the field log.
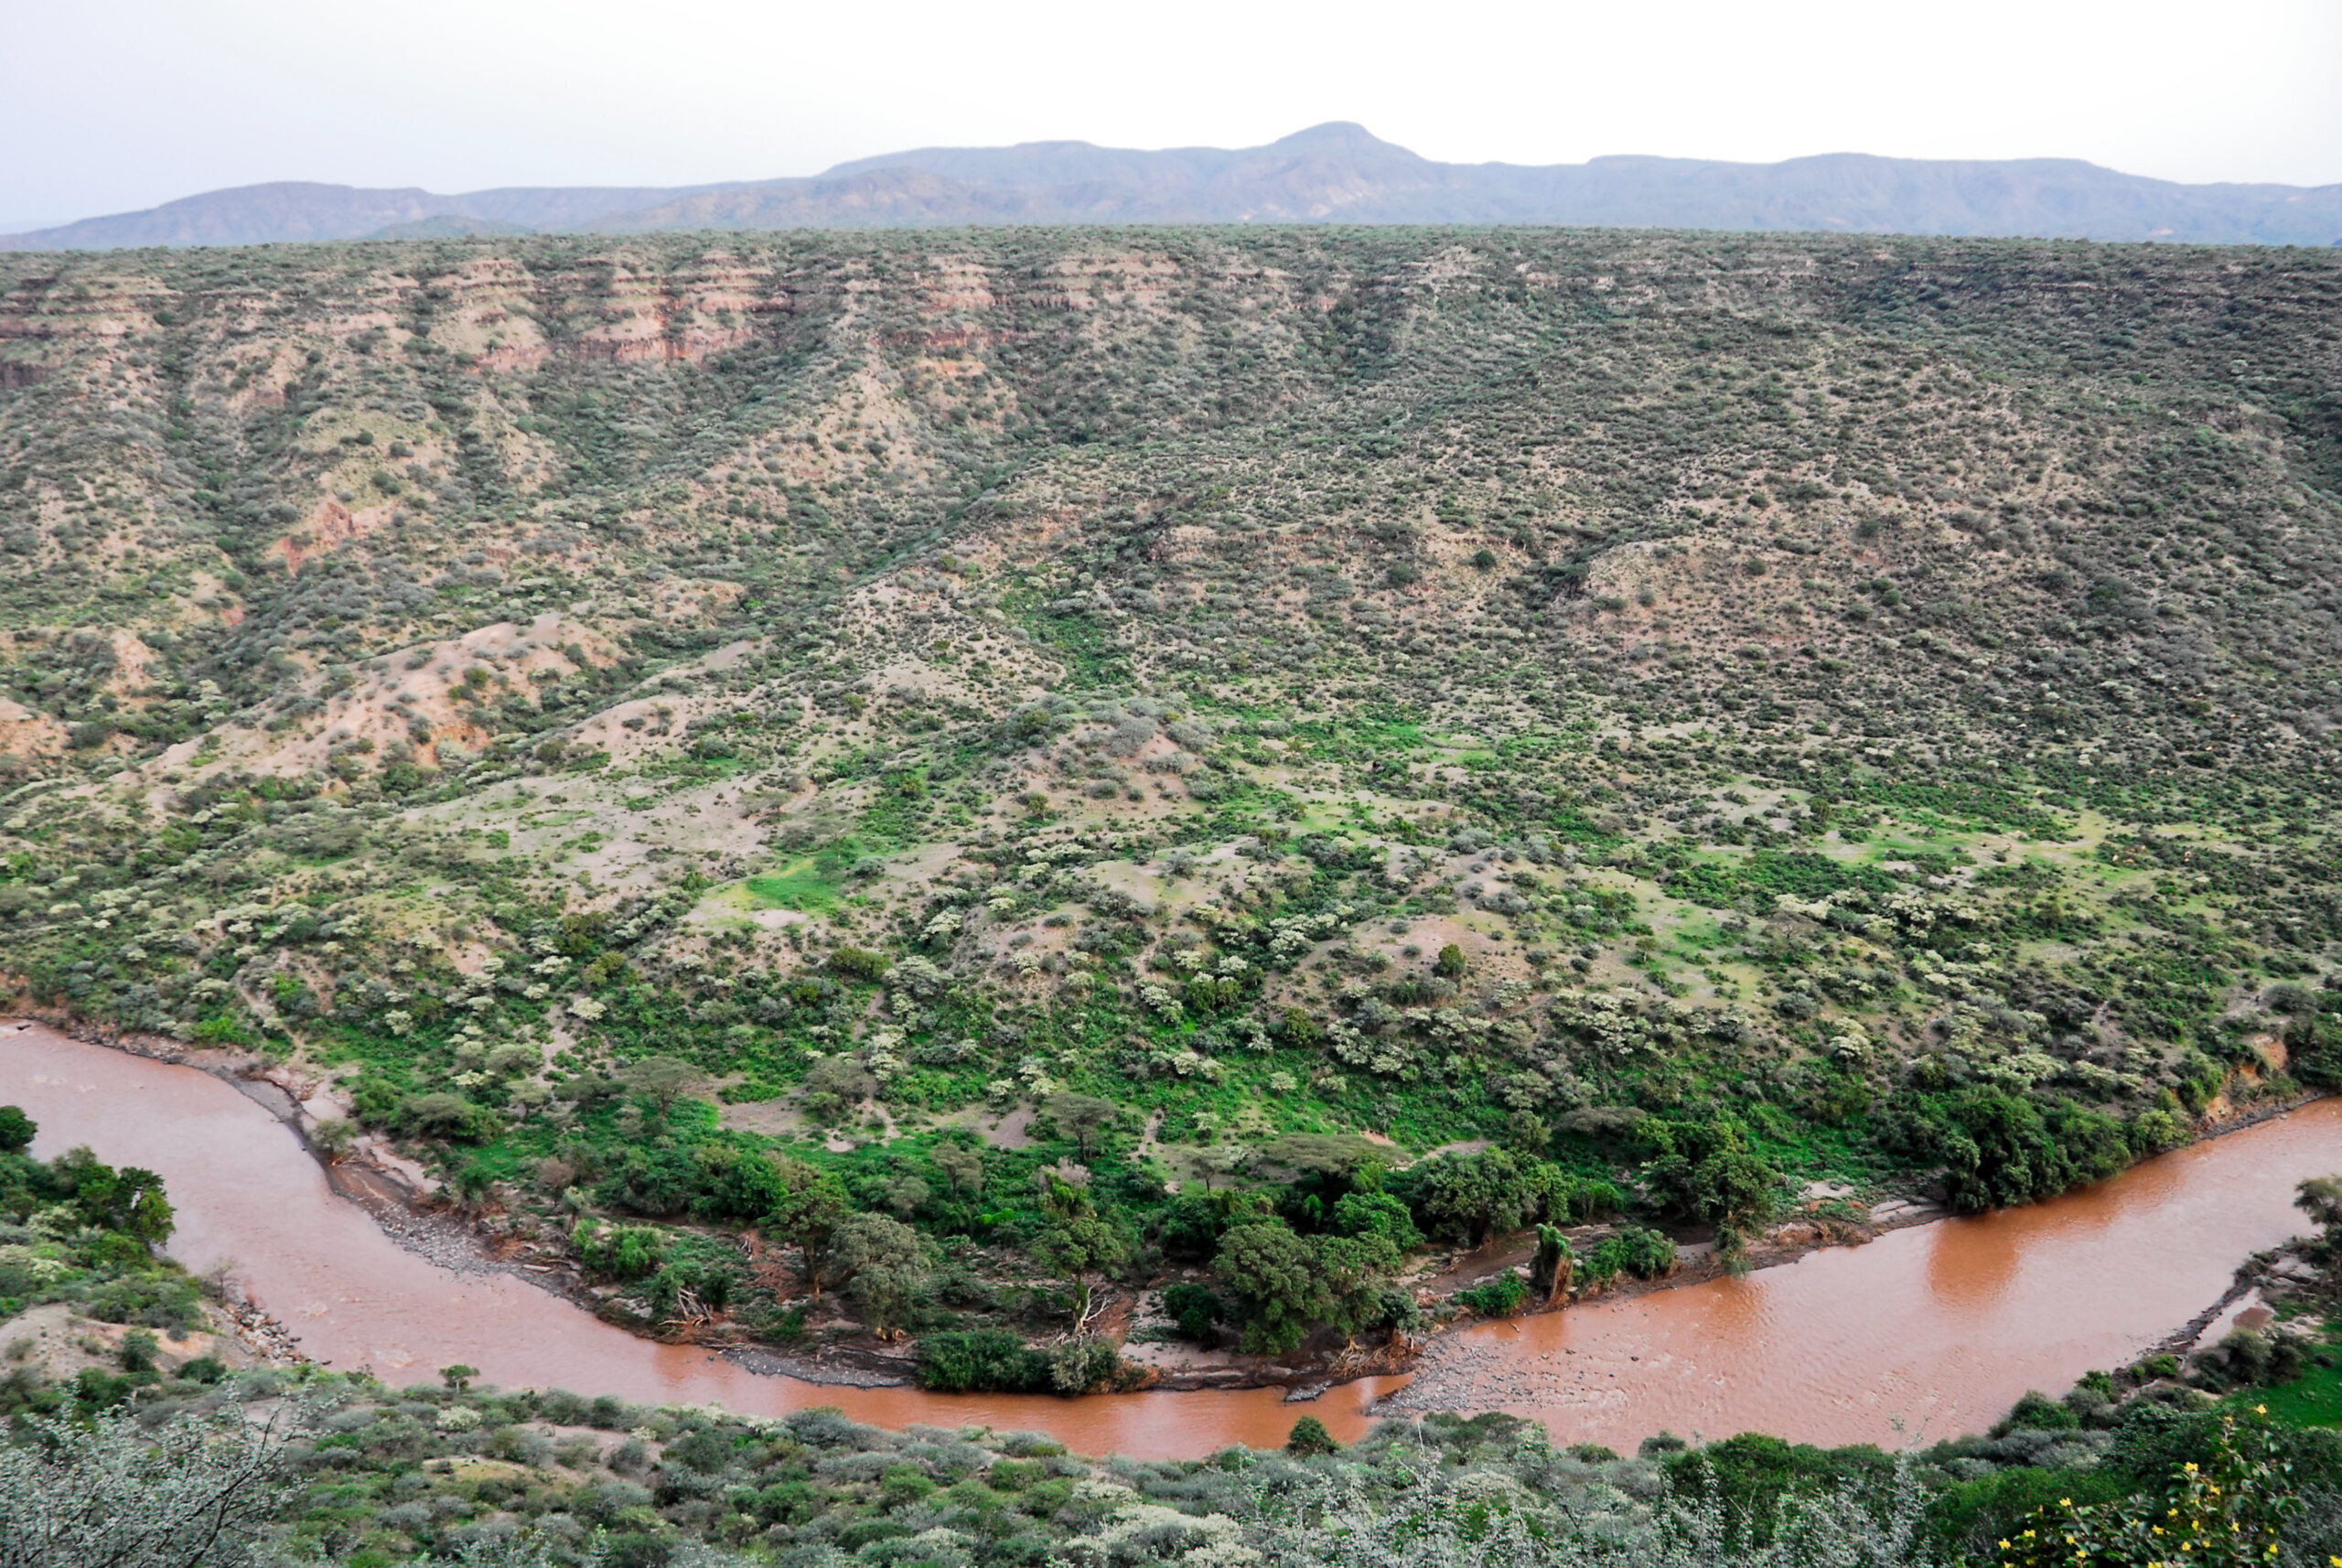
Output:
(20, 226)
(459, 98)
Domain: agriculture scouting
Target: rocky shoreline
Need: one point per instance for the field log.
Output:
(850, 1368)
(262, 1335)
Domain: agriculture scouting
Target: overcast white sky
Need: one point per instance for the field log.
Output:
(107, 106)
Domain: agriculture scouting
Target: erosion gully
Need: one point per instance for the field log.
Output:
(1923, 1333)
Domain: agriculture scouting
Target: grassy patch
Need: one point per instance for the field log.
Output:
(806, 885)
(2313, 1399)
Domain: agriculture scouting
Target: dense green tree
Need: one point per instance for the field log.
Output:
(1195, 1308)
(128, 1200)
(1706, 1169)
(1274, 1274)
(737, 1183)
(882, 1264)
(1080, 1248)
(811, 1205)
(1999, 1147)
(1377, 1214)
(1309, 1436)
(1355, 1274)
(1468, 1198)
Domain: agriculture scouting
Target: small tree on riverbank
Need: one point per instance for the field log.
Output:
(883, 1262)
(813, 1204)
(1082, 1248)
(1550, 1269)
(2320, 1197)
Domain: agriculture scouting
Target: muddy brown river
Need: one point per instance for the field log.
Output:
(1923, 1333)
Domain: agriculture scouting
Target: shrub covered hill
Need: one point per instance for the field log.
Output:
(994, 773)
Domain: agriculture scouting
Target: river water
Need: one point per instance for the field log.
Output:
(1925, 1332)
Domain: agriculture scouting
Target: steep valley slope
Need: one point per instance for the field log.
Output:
(1099, 750)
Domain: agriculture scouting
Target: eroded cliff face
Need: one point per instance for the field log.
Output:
(1698, 449)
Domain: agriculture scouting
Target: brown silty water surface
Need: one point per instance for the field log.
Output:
(1925, 1332)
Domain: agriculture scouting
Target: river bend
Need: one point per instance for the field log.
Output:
(1925, 1332)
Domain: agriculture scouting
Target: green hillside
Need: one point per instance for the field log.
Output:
(1031, 766)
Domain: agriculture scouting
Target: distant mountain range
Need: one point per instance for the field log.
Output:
(1335, 173)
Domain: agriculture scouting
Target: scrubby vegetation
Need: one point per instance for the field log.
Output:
(1119, 788)
(344, 1470)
